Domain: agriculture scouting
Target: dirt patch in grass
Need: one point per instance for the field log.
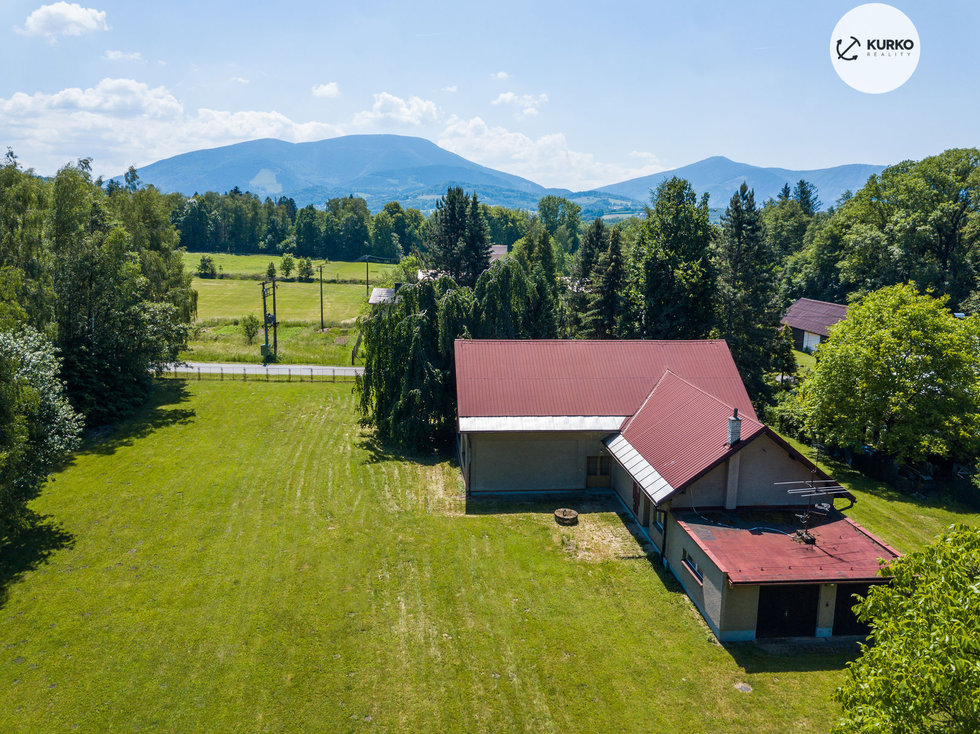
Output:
(599, 535)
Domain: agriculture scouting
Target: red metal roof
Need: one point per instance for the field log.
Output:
(579, 377)
(682, 430)
(814, 316)
(759, 548)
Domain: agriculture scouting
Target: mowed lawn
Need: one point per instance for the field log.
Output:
(232, 299)
(222, 341)
(251, 265)
(242, 557)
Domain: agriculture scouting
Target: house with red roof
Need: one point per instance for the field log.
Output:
(810, 322)
(745, 523)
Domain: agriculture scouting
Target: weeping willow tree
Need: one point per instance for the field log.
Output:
(408, 389)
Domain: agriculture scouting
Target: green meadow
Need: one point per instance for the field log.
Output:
(244, 557)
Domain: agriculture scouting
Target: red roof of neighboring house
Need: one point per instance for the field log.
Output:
(682, 431)
(583, 378)
(759, 547)
(814, 316)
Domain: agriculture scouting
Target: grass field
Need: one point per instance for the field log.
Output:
(299, 343)
(805, 362)
(231, 299)
(251, 265)
(242, 556)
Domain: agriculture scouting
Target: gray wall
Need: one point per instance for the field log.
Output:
(762, 463)
(521, 462)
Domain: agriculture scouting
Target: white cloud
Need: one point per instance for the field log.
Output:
(241, 80)
(122, 56)
(547, 160)
(451, 89)
(500, 75)
(413, 111)
(331, 89)
(120, 122)
(63, 19)
(526, 103)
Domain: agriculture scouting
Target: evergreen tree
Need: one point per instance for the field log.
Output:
(748, 307)
(805, 193)
(784, 193)
(606, 306)
(677, 284)
(594, 243)
(474, 254)
(447, 233)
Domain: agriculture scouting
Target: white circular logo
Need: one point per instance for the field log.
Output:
(874, 48)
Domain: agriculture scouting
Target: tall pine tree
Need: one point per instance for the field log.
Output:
(606, 306)
(474, 253)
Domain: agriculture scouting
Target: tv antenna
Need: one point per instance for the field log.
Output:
(819, 494)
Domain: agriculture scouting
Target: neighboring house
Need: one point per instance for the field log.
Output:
(811, 321)
(497, 252)
(381, 295)
(668, 426)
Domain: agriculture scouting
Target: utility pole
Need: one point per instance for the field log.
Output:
(321, 298)
(269, 319)
(367, 278)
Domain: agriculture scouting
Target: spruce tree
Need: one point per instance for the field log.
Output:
(806, 194)
(785, 193)
(606, 306)
(447, 234)
(748, 306)
(594, 243)
(474, 253)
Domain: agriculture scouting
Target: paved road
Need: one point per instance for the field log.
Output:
(238, 368)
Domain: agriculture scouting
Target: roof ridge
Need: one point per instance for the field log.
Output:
(629, 421)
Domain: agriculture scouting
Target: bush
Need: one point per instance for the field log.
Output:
(305, 272)
(250, 326)
(270, 272)
(287, 265)
(206, 268)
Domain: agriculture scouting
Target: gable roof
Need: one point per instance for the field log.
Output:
(814, 316)
(586, 378)
(682, 431)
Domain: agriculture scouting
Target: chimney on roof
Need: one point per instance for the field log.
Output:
(734, 429)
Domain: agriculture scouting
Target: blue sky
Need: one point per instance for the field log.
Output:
(567, 94)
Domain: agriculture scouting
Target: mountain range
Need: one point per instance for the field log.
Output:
(416, 172)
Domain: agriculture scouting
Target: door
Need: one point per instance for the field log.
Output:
(845, 621)
(787, 611)
(597, 471)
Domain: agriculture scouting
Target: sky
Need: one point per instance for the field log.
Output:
(572, 94)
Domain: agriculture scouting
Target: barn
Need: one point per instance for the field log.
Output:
(669, 428)
(810, 322)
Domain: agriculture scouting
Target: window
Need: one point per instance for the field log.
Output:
(659, 519)
(692, 566)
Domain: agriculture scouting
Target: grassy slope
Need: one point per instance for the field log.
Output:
(242, 558)
(231, 299)
(257, 265)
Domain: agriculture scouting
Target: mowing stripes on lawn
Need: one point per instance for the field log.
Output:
(242, 556)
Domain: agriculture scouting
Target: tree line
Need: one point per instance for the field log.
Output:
(93, 298)
(672, 274)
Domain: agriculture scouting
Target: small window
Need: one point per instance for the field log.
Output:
(659, 519)
(692, 565)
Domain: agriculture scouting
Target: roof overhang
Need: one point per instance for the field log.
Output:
(539, 423)
(641, 470)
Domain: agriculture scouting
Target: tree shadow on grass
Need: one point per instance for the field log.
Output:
(379, 451)
(159, 411)
(38, 537)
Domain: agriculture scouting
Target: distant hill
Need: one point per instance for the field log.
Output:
(416, 172)
(380, 168)
(720, 177)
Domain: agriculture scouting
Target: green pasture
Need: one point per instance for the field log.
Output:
(232, 299)
(253, 265)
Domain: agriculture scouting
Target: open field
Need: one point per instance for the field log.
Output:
(299, 343)
(232, 299)
(251, 265)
